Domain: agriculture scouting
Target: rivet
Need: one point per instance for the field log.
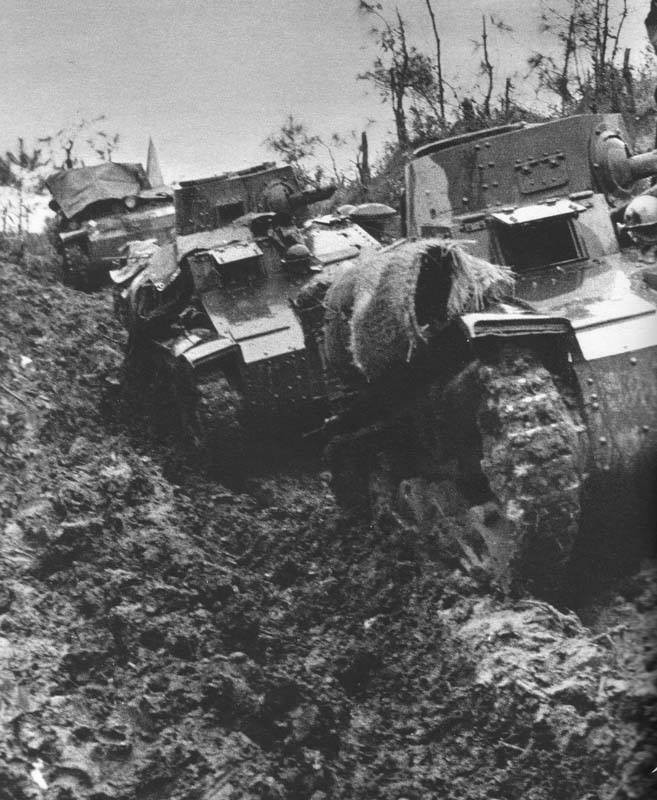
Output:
(595, 406)
(603, 440)
(596, 165)
(606, 468)
(645, 428)
(496, 183)
(633, 361)
(589, 381)
(594, 397)
(484, 186)
(486, 144)
(477, 147)
(491, 163)
(466, 200)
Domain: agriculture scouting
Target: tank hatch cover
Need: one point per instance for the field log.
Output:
(539, 174)
(235, 251)
(534, 213)
(331, 243)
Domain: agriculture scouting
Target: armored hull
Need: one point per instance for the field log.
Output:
(543, 401)
(218, 308)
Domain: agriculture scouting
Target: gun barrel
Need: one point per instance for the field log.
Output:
(643, 165)
(313, 195)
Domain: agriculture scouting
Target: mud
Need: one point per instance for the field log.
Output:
(164, 636)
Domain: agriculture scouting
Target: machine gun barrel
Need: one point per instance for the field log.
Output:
(68, 237)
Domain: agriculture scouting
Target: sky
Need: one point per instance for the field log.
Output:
(209, 80)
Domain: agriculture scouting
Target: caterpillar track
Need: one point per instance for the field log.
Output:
(204, 413)
(215, 421)
(519, 444)
(533, 446)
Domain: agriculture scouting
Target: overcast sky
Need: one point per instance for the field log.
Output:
(210, 79)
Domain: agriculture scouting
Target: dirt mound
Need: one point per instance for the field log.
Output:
(164, 637)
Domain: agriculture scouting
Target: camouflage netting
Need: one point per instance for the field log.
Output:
(388, 302)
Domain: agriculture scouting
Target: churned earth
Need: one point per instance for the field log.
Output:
(165, 636)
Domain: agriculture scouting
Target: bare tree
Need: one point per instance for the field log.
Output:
(90, 132)
(486, 67)
(439, 65)
(588, 74)
(295, 145)
(391, 73)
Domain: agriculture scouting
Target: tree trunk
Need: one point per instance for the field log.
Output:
(628, 80)
(439, 65)
(364, 165)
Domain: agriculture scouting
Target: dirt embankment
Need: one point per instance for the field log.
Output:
(164, 637)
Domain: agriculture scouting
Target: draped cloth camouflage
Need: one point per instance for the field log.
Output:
(390, 301)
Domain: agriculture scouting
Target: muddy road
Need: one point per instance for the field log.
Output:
(165, 636)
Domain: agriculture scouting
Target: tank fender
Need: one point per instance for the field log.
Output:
(213, 351)
(200, 351)
(478, 327)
